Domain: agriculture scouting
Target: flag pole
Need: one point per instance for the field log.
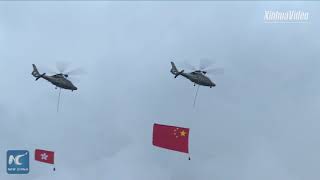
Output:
(188, 143)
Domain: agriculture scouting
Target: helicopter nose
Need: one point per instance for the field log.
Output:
(75, 88)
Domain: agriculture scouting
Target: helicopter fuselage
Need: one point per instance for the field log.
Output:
(198, 78)
(60, 82)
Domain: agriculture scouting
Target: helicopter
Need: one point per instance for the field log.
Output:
(198, 76)
(59, 80)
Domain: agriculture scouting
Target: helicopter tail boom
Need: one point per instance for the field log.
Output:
(178, 73)
(40, 76)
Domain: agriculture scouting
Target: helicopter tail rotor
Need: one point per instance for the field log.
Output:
(36, 73)
(175, 71)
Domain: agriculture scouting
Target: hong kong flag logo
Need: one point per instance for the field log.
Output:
(44, 156)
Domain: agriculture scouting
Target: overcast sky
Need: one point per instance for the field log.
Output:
(261, 121)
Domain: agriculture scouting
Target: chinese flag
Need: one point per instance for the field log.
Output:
(171, 137)
(44, 156)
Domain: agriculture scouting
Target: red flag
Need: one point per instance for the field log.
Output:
(171, 137)
(44, 156)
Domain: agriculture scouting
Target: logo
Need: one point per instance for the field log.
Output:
(291, 16)
(17, 162)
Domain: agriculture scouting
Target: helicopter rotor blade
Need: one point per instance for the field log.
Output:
(77, 71)
(215, 71)
(73, 79)
(189, 66)
(204, 66)
(205, 63)
(47, 70)
(62, 66)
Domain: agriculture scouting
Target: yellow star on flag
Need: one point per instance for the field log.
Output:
(183, 133)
